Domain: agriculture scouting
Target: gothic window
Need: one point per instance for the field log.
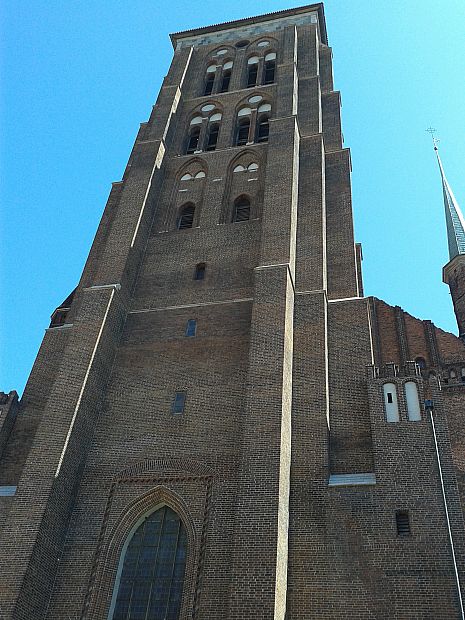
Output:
(212, 136)
(209, 80)
(186, 216)
(390, 402)
(199, 273)
(194, 135)
(243, 127)
(191, 328)
(226, 77)
(252, 71)
(241, 209)
(153, 567)
(263, 128)
(269, 68)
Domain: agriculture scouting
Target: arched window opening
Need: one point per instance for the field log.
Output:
(241, 209)
(390, 402)
(269, 69)
(413, 403)
(263, 128)
(193, 142)
(252, 71)
(199, 273)
(212, 138)
(243, 127)
(226, 77)
(209, 80)
(421, 362)
(186, 217)
(153, 566)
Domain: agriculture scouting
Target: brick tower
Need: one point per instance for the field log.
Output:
(218, 424)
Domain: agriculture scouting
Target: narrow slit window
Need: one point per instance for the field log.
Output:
(243, 131)
(179, 402)
(263, 128)
(252, 72)
(191, 328)
(389, 397)
(241, 209)
(269, 69)
(199, 273)
(186, 217)
(403, 523)
(209, 80)
(193, 141)
(212, 138)
(226, 77)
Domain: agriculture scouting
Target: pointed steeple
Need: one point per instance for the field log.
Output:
(455, 221)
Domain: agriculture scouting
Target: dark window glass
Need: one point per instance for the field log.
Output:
(263, 129)
(269, 71)
(200, 271)
(252, 72)
(152, 576)
(402, 523)
(421, 362)
(186, 217)
(226, 78)
(241, 209)
(242, 43)
(389, 397)
(179, 402)
(212, 139)
(243, 131)
(193, 141)
(191, 327)
(209, 83)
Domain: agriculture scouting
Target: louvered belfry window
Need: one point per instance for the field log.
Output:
(402, 523)
(241, 209)
(152, 574)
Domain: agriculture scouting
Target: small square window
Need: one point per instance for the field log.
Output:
(179, 402)
(191, 328)
(403, 523)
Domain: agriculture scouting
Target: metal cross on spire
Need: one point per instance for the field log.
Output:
(432, 131)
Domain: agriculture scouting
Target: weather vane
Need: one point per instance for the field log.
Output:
(432, 131)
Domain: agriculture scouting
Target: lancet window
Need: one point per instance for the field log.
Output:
(152, 569)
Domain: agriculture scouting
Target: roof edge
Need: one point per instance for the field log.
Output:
(175, 36)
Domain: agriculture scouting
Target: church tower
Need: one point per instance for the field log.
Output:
(219, 425)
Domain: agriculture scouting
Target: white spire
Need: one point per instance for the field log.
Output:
(455, 221)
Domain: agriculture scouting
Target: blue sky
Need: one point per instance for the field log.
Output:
(77, 78)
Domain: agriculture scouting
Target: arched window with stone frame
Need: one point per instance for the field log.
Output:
(150, 576)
